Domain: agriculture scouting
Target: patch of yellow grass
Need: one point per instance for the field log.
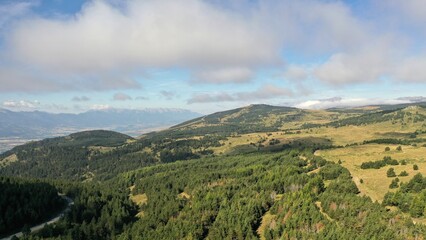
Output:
(235, 115)
(184, 195)
(219, 183)
(314, 171)
(357, 134)
(267, 222)
(319, 206)
(375, 182)
(339, 136)
(140, 214)
(88, 176)
(419, 220)
(139, 199)
(9, 159)
(278, 197)
(101, 149)
(243, 139)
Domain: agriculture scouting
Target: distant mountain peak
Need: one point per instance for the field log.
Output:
(37, 124)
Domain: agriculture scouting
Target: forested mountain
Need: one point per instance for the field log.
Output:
(254, 172)
(97, 155)
(250, 119)
(267, 196)
(71, 157)
(408, 115)
(375, 108)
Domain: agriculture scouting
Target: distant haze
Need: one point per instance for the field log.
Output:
(17, 127)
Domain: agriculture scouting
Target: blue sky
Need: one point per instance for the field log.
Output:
(210, 55)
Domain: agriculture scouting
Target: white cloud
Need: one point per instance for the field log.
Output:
(411, 70)
(216, 44)
(107, 44)
(365, 65)
(413, 11)
(224, 75)
(327, 25)
(80, 99)
(265, 92)
(26, 79)
(145, 33)
(121, 97)
(296, 73)
(262, 93)
(21, 104)
(100, 107)
(12, 10)
(208, 98)
(413, 99)
(345, 102)
(13, 79)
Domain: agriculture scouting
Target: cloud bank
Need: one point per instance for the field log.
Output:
(262, 93)
(21, 104)
(109, 44)
(339, 102)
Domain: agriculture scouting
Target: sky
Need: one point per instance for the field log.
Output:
(210, 55)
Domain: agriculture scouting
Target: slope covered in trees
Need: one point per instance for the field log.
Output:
(410, 114)
(410, 198)
(62, 157)
(270, 196)
(98, 155)
(253, 118)
(227, 198)
(100, 211)
(26, 203)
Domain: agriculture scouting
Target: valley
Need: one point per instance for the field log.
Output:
(17, 128)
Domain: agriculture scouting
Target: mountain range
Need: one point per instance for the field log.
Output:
(38, 124)
(19, 127)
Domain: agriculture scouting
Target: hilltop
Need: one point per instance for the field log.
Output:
(71, 157)
(252, 119)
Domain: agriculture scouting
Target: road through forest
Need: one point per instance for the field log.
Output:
(51, 221)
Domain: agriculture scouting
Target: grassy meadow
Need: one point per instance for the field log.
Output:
(375, 182)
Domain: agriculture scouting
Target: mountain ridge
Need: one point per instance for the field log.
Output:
(39, 124)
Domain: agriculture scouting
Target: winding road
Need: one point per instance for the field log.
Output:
(70, 202)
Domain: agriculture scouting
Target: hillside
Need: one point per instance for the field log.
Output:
(375, 108)
(26, 202)
(251, 119)
(266, 196)
(280, 173)
(70, 157)
(100, 154)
